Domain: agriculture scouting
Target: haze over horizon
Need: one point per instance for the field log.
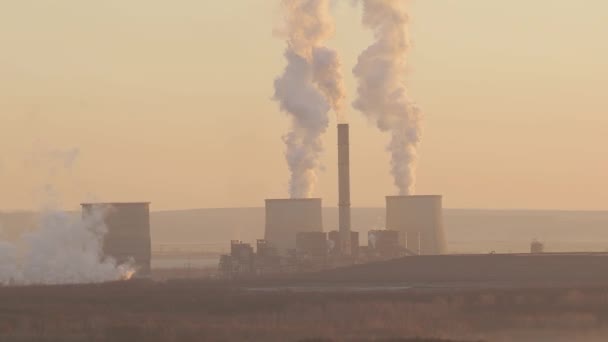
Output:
(171, 103)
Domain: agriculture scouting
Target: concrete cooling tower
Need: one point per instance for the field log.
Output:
(419, 221)
(285, 218)
(128, 235)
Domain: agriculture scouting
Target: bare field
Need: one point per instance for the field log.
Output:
(213, 311)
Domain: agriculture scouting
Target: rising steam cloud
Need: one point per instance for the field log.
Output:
(62, 250)
(309, 87)
(382, 94)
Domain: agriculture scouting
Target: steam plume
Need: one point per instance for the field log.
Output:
(382, 94)
(329, 79)
(309, 87)
(63, 250)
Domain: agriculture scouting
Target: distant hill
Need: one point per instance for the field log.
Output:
(467, 230)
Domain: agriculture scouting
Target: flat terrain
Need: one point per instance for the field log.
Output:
(222, 311)
(478, 268)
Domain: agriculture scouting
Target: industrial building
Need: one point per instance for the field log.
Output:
(312, 251)
(128, 232)
(419, 221)
(267, 259)
(243, 261)
(312, 245)
(294, 238)
(240, 260)
(333, 238)
(383, 244)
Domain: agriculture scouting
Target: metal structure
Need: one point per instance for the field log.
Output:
(333, 238)
(267, 260)
(354, 244)
(285, 218)
(128, 232)
(344, 189)
(264, 249)
(419, 220)
(242, 256)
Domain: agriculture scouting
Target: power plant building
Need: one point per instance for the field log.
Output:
(333, 238)
(419, 221)
(128, 232)
(384, 243)
(312, 244)
(285, 218)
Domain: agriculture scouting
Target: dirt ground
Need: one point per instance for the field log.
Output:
(189, 310)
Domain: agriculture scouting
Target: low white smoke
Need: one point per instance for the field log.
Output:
(68, 157)
(371, 238)
(62, 250)
(52, 160)
(382, 94)
(309, 87)
(331, 245)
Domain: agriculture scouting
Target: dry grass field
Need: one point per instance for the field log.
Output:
(208, 311)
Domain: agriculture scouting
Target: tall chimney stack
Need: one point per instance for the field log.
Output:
(344, 189)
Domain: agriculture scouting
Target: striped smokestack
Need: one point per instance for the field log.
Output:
(344, 188)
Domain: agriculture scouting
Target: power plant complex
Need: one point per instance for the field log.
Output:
(295, 239)
(412, 245)
(116, 240)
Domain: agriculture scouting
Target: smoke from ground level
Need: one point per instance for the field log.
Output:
(62, 250)
(382, 95)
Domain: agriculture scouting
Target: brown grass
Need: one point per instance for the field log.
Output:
(206, 311)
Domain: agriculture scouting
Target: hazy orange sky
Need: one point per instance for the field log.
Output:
(170, 102)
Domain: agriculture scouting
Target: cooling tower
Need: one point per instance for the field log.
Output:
(128, 235)
(344, 189)
(285, 218)
(419, 221)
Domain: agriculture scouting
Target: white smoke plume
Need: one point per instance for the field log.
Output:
(371, 239)
(308, 111)
(331, 245)
(309, 87)
(382, 94)
(62, 250)
(328, 77)
(52, 160)
(67, 157)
